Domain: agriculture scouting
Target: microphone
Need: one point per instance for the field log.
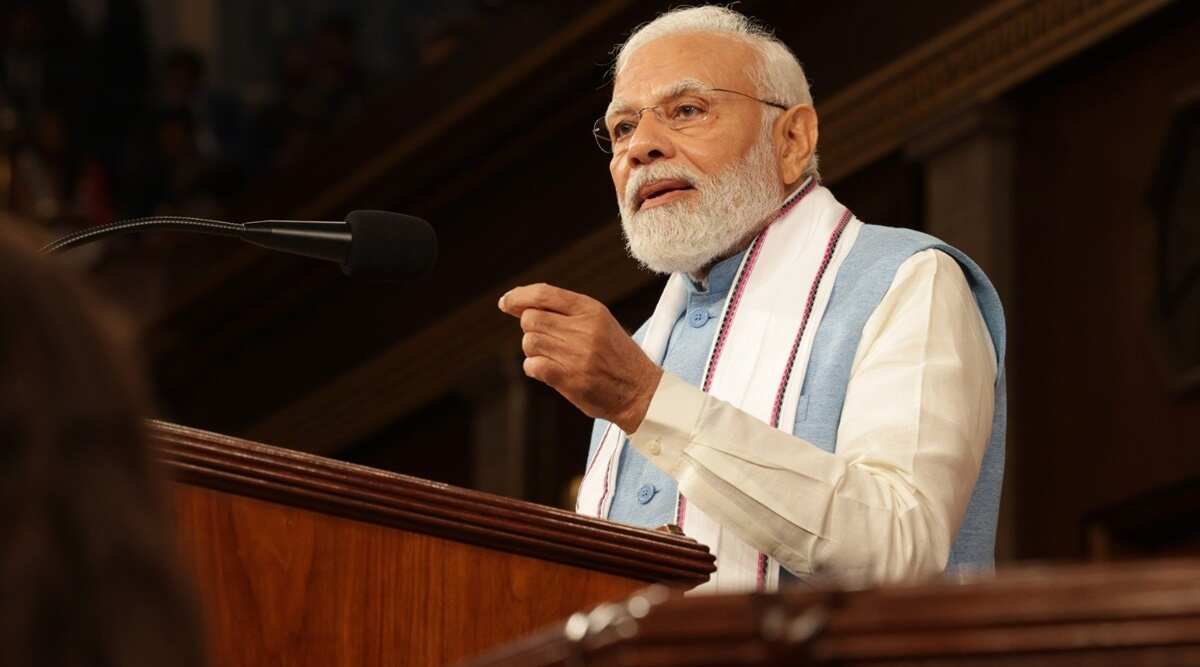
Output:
(369, 244)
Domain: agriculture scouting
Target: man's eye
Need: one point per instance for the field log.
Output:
(623, 129)
(688, 112)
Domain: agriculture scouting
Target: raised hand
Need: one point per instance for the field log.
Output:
(573, 343)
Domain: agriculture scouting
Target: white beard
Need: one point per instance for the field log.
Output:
(727, 209)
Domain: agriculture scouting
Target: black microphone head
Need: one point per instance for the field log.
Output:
(389, 246)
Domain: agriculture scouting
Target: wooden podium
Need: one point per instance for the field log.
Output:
(1144, 614)
(301, 560)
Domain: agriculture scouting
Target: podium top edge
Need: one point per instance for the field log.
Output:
(316, 483)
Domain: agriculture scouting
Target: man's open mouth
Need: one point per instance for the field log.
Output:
(656, 191)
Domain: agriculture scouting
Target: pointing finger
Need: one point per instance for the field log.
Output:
(543, 297)
(534, 319)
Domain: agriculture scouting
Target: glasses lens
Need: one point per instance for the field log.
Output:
(600, 132)
(685, 113)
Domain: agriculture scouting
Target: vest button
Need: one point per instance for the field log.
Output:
(646, 493)
(698, 318)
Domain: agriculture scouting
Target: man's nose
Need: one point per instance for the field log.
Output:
(651, 140)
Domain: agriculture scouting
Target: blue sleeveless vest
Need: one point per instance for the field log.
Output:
(645, 495)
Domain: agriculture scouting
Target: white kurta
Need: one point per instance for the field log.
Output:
(914, 428)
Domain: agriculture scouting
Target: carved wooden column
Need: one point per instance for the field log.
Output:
(970, 197)
(970, 184)
(500, 421)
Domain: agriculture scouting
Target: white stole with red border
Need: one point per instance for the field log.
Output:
(757, 361)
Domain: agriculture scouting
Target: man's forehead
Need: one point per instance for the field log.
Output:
(657, 67)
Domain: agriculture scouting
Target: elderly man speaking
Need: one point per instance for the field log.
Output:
(812, 395)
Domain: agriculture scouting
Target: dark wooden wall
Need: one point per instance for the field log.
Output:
(1099, 421)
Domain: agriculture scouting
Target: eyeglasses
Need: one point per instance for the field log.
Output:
(680, 113)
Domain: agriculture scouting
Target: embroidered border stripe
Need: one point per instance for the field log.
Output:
(830, 249)
(731, 311)
(599, 451)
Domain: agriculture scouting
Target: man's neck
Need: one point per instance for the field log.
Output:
(700, 276)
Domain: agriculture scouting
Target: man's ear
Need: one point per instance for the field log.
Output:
(796, 139)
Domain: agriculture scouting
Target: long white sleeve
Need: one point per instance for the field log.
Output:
(914, 427)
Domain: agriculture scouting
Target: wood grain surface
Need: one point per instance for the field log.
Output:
(300, 560)
(287, 586)
(346, 490)
(1138, 613)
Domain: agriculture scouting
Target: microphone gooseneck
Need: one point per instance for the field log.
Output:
(373, 244)
(172, 222)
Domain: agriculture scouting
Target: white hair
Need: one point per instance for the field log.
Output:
(778, 75)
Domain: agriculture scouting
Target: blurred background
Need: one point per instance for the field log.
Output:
(1056, 141)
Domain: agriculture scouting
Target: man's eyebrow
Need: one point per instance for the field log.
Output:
(617, 105)
(663, 93)
(681, 87)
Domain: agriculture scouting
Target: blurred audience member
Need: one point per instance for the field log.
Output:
(322, 85)
(40, 56)
(53, 182)
(218, 118)
(116, 103)
(171, 173)
(87, 564)
(87, 138)
(338, 81)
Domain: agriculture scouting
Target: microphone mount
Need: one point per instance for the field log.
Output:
(319, 240)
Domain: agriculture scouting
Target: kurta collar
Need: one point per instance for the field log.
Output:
(720, 277)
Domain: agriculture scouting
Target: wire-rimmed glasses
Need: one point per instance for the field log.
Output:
(678, 113)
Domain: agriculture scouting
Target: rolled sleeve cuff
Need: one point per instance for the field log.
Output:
(670, 423)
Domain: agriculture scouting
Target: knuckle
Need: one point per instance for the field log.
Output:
(530, 319)
(541, 369)
(529, 343)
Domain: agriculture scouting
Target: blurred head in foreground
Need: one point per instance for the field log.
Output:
(87, 562)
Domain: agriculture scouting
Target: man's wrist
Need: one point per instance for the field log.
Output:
(670, 423)
(631, 421)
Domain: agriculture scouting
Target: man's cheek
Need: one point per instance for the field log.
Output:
(619, 178)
